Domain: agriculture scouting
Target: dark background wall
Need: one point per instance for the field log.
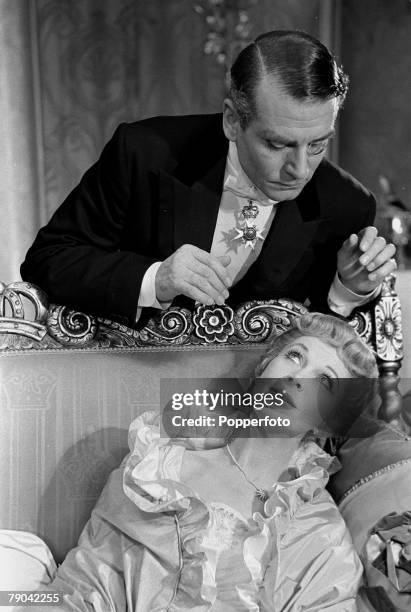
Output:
(100, 62)
(375, 125)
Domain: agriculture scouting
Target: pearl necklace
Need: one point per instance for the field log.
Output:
(260, 493)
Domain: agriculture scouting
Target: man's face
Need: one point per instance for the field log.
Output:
(284, 143)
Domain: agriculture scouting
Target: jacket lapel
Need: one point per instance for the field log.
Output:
(293, 230)
(288, 238)
(194, 207)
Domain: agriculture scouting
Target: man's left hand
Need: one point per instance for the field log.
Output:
(364, 260)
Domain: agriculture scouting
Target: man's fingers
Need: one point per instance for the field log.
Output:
(348, 265)
(351, 243)
(196, 294)
(195, 273)
(220, 270)
(378, 245)
(218, 294)
(386, 253)
(214, 263)
(204, 277)
(381, 272)
(367, 237)
(200, 289)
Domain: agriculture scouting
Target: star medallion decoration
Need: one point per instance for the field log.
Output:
(248, 233)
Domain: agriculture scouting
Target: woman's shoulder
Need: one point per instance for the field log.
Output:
(152, 469)
(146, 431)
(310, 458)
(310, 468)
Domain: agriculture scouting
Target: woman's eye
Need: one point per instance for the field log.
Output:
(327, 381)
(294, 356)
(315, 148)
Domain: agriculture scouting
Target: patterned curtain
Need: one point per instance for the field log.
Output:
(19, 185)
(74, 69)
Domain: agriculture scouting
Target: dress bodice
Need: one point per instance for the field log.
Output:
(227, 572)
(152, 544)
(278, 559)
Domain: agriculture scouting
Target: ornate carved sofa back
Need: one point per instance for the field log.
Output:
(70, 384)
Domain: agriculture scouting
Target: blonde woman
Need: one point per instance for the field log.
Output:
(245, 526)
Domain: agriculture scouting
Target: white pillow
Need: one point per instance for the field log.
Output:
(26, 563)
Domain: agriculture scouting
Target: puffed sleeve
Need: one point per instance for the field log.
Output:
(128, 556)
(314, 566)
(152, 470)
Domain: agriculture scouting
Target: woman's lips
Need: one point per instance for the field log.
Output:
(278, 387)
(288, 399)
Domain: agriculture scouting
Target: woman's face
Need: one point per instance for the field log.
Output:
(312, 378)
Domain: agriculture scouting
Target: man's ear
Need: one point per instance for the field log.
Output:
(231, 123)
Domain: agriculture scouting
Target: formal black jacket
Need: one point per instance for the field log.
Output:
(157, 186)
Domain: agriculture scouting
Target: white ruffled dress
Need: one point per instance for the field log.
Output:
(152, 544)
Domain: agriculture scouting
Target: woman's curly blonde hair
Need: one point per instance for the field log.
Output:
(356, 356)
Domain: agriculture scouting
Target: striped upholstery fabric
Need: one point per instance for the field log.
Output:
(64, 417)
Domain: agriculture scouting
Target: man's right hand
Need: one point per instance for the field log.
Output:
(195, 273)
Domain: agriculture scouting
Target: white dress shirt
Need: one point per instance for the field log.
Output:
(237, 192)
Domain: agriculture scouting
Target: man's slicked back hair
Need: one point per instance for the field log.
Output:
(303, 66)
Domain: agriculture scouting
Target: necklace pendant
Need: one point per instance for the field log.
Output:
(261, 495)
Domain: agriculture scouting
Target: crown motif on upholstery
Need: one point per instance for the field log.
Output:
(29, 390)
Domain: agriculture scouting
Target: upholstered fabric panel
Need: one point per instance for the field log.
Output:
(64, 417)
(384, 446)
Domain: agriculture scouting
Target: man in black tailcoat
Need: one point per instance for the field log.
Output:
(224, 207)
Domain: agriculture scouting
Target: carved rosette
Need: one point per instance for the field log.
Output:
(70, 327)
(255, 321)
(388, 329)
(213, 323)
(258, 321)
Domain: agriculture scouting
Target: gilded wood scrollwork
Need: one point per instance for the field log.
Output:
(28, 322)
